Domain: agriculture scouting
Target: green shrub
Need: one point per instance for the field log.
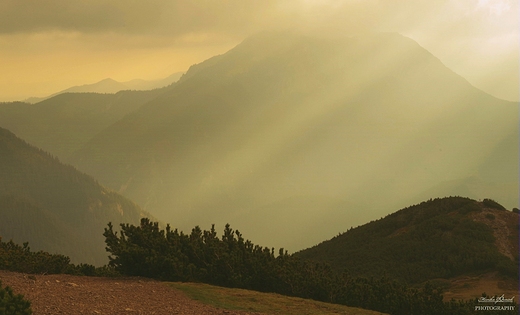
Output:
(443, 284)
(18, 258)
(13, 304)
(490, 203)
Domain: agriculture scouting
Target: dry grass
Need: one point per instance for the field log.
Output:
(263, 303)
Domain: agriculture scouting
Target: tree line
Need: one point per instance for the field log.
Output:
(231, 261)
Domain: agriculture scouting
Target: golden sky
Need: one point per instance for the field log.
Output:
(47, 46)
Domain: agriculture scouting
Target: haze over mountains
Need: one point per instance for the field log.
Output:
(112, 86)
(64, 123)
(290, 138)
(53, 206)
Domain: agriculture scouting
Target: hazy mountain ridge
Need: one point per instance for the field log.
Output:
(62, 124)
(112, 86)
(440, 238)
(288, 117)
(53, 206)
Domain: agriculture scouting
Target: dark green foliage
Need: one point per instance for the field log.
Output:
(232, 261)
(435, 239)
(90, 270)
(13, 304)
(490, 203)
(14, 257)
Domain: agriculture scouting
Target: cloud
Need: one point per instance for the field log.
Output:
(36, 16)
(172, 17)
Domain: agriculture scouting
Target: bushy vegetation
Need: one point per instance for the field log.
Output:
(13, 304)
(232, 261)
(490, 203)
(20, 258)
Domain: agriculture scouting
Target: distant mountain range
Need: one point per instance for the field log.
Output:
(53, 206)
(65, 122)
(291, 138)
(112, 86)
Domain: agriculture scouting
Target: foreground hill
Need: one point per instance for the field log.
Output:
(53, 206)
(293, 137)
(62, 124)
(439, 239)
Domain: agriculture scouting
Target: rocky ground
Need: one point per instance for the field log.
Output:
(66, 294)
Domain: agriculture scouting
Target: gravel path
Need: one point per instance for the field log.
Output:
(66, 294)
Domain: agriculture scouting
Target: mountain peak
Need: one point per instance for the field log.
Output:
(107, 80)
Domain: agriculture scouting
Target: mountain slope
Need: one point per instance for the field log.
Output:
(283, 121)
(441, 238)
(62, 124)
(53, 206)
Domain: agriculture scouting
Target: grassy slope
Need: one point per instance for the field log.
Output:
(268, 303)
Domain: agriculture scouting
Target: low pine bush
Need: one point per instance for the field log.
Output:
(13, 304)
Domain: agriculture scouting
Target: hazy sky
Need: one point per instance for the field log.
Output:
(50, 45)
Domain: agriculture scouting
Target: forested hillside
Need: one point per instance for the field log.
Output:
(53, 206)
(441, 238)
